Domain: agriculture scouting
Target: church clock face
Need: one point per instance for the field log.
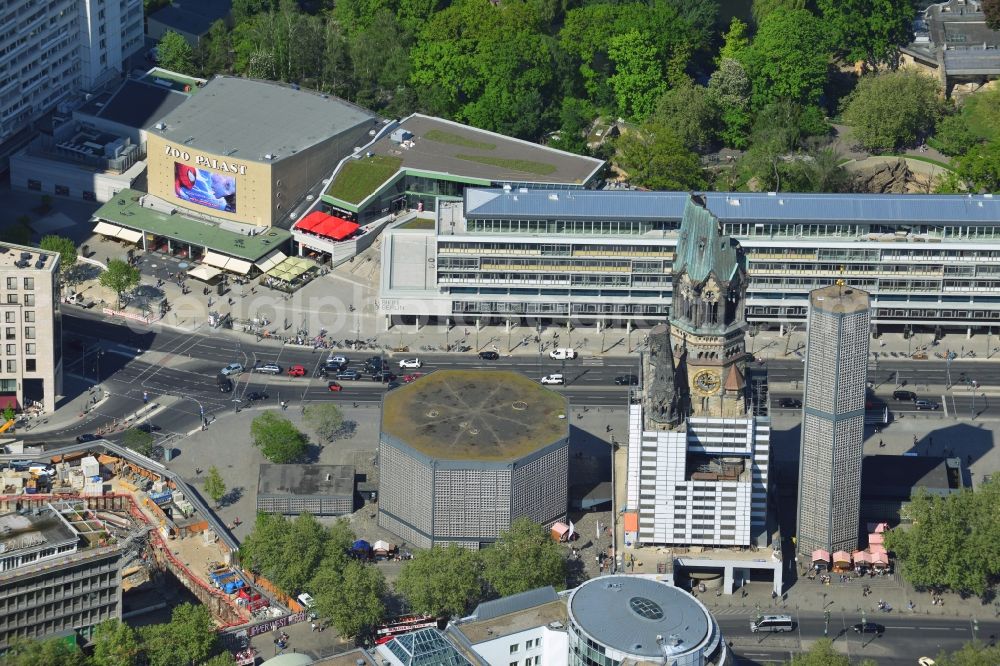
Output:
(707, 382)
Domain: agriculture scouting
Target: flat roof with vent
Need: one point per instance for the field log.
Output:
(248, 119)
(21, 256)
(475, 415)
(641, 617)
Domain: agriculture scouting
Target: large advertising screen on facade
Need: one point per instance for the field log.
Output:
(205, 188)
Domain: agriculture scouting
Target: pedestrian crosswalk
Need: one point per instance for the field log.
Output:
(593, 362)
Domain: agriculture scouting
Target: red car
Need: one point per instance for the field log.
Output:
(409, 378)
(296, 371)
(334, 386)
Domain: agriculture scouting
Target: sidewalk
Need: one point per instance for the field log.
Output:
(326, 303)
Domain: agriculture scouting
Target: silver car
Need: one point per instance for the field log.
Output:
(232, 369)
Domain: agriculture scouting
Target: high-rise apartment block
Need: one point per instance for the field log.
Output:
(833, 419)
(51, 50)
(31, 364)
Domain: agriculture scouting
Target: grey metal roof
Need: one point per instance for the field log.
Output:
(733, 206)
(139, 104)
(627, 613)
(515, 603)
(305, 480)
(248, 119)
(972, 61)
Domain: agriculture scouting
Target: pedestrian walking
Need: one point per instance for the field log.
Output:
(284, 405)
(881, 444)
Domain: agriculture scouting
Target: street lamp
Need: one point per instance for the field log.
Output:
(826, 623)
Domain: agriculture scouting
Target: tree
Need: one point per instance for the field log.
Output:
(971, 654)
(66, 249)
(325, 418)
(890, 110)
(692, 113)
(193, 632)
(139, 441)
(992, 10)
(980, 167)
(214, 485)
(441, 581)
(356, 602)
(575, 116)
(189, 638)
(52, 652)
(286, 552)
(277, 438)
(761, 8)
(637, 80)
(869, 30)
(953, 542)
(523, 558)
(735, 42)
(9, 414)
(731, 87)
(213, 52)
(774, 160)
(655, 157)
(953, 135)
(788, 58)
(115, 644)
(119, 277)
(820, 654)
(174, 53)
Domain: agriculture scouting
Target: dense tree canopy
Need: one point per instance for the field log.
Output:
(980, 167)
(656, 158)
(869, 30)
(66, 249)
(892, 110)
(954, 541)
(174, 53)
(523, 558)
(442, 581)
(788, 58)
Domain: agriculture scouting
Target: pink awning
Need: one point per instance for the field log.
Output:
(560, 528)
(880, 558)
(842, 556)
(820, 555)
(860, 556)
(877, 548)
(875, 539)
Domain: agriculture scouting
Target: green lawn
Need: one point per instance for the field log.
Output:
(980, 113)
(359, 178)
(417, 223)
(455, 140)
(525, 166)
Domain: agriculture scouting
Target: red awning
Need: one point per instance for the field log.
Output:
(344, 230)
(312, 220)
(336, 228)
(8, 401)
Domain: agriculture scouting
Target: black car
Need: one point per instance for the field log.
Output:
(87, 437)
(393, 384)
(148, 427)
(253, 396)
(383, 376)
(333, 366)
(489, 355)
(627, 380)
(790, 403)
(226, 386)
(868, 628)
(908, 396)
(373, 364)
(349, 374)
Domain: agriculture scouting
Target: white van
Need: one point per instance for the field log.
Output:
(562, 353)
(306, 600)
(772, 623)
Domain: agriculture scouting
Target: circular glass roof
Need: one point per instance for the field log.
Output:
(646, 608)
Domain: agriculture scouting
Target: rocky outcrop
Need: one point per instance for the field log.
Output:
(889, 178)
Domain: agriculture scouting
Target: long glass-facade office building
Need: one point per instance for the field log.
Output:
(604, 257)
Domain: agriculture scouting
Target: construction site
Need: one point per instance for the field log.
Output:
(83, 526)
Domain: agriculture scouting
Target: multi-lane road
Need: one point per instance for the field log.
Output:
(906, 638)
(183, 366)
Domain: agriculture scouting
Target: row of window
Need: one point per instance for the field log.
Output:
(29, 300)
(514, 647)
